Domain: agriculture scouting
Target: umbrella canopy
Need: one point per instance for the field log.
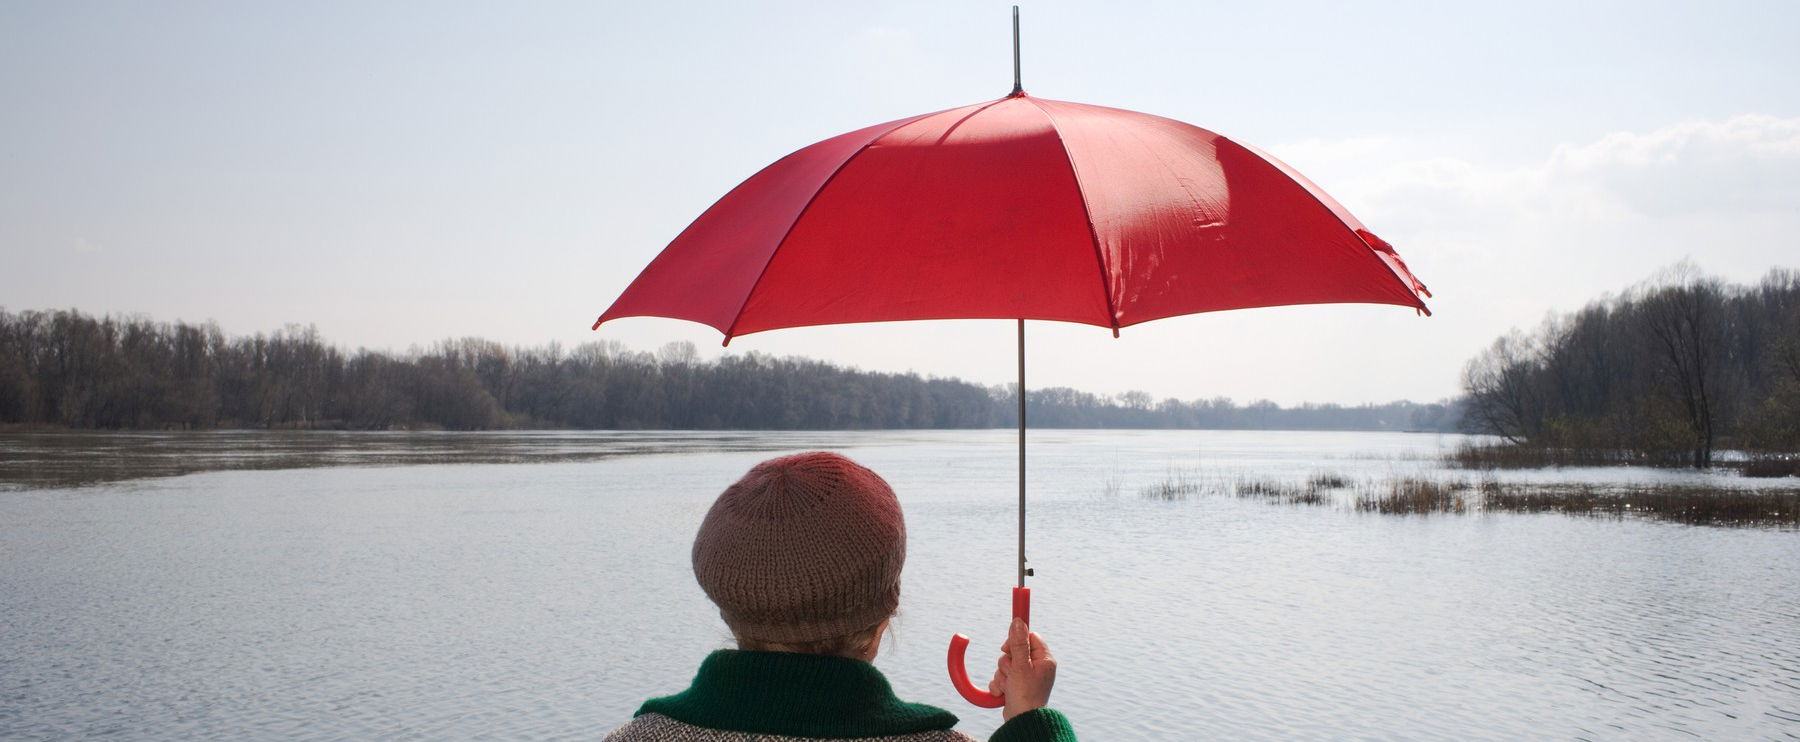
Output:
(1018, 208)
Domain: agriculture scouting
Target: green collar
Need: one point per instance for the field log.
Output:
(795, 695)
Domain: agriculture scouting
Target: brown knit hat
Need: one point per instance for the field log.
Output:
(803, 548)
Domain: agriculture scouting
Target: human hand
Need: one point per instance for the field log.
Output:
(1025, 673)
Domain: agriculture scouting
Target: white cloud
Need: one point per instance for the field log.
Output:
(1744, 163)
(1502, 244)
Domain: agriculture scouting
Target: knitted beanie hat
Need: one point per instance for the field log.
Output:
(803, 548)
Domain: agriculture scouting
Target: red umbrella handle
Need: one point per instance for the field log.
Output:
(959, 644)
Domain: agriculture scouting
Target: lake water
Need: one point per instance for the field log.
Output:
(358, 598)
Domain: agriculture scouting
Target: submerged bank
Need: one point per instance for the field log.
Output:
(1484, 456)
(31, 460)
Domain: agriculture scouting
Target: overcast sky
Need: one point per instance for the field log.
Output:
(400, 173)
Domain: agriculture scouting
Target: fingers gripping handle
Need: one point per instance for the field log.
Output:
(959, 645)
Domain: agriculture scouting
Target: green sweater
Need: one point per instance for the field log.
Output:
(774, 695)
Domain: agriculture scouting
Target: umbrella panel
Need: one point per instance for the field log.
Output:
(959, 215)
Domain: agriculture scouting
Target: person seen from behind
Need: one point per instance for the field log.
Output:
(803, 558)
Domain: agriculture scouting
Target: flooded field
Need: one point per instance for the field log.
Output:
(536, 586)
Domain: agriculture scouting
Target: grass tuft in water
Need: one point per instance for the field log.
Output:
(1328, 481)
(1414, 496)
(1180, 484)
(1309, 493)
(1113, 485)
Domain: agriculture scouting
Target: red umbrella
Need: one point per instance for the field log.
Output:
(1019, 208)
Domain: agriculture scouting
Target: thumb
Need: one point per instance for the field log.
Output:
(1018, 644)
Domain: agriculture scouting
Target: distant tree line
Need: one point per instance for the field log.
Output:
(1062, 407)
(1666, 373)
(68, 369)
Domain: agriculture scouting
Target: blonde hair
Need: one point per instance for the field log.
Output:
(853, 644)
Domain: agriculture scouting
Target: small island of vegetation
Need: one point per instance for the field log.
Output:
(1665, 374)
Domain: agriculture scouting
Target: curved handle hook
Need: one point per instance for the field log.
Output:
(959, 677)
(959, 645)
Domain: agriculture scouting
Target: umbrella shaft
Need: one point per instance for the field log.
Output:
(1022, 453)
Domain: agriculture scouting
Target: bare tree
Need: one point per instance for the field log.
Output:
(1501, 389)
(1682, 313)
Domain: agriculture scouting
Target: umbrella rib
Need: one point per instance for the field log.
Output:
(735, 317)
(1087, 216)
